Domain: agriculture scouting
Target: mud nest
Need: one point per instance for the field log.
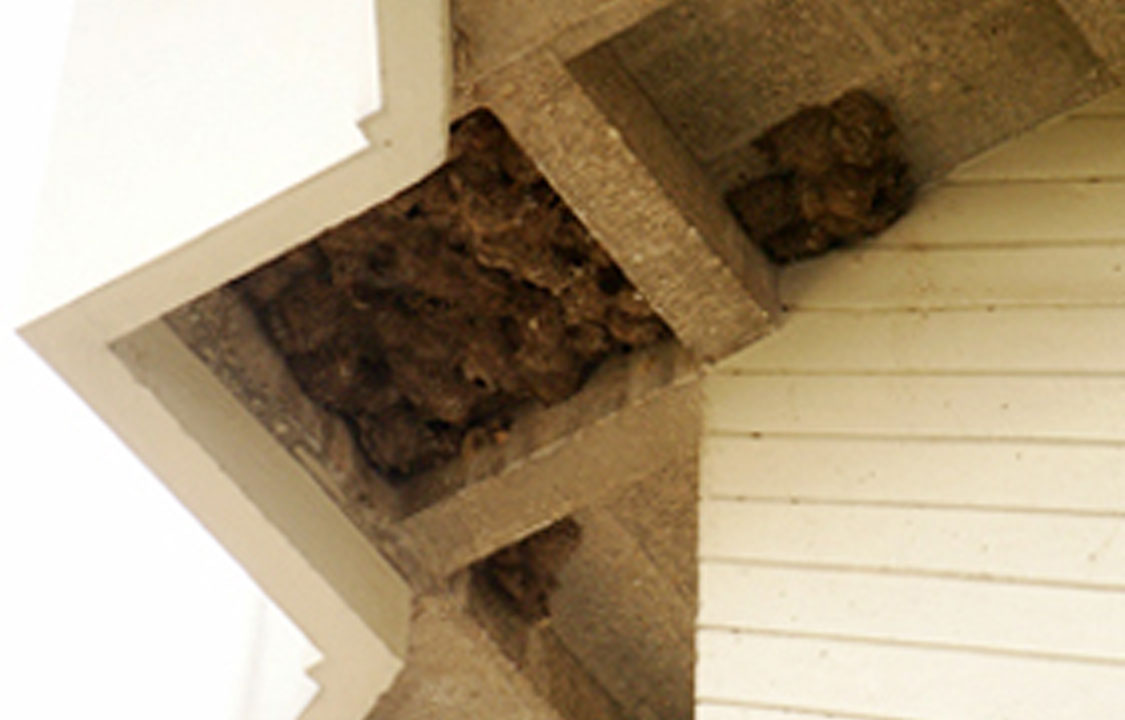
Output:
(525, 573)
(838, 175)
(428, 319)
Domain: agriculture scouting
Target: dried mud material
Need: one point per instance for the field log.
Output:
(525, 573)
(838, 175)
(428, 320)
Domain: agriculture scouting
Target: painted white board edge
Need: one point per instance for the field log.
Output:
(363, 646)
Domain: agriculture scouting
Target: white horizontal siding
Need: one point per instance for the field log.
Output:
(914, 493)
(943, 611)
(1083, 146)
(994, 474)
(1110, 104)
(707, 711)
(1005, 340)
(1008, 214)
(1045, 407)
(1032, 547)
(1076, 275)
(904, 681)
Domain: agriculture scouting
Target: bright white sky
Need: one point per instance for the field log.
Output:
(114, 602)
(174, 116)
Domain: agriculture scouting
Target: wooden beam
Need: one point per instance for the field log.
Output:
(603, 147)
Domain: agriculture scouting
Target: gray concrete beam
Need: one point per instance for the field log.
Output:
(642, 438)
(620, 607)
(491, 34)
(722, 71)
(597, 140)
(456, 670)
(1103, 24)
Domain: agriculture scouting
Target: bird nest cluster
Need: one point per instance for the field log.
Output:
(427, 320)
(838, 174)
(525, 573)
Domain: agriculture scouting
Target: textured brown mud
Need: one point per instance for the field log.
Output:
(838, 175)
(427, 320)
(526, 572)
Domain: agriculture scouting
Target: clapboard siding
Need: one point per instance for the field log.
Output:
(1080, 275)
(879, 679)
(1110, 104)
(994, 474)
(934, 610)
(1082, 146)
(1042, 407)
(706, 711)
(1011, 214)
(1036, 548)
(913, 495)
(1005, 340)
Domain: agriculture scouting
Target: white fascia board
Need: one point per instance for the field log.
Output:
(175, 116)
(210, 453)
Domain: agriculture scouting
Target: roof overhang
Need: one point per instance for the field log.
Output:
(208, 450)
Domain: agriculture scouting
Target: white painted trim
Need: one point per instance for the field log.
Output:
(210, 453)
